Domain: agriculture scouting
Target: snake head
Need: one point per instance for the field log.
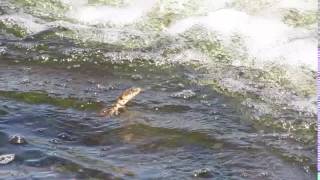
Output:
(127, 95)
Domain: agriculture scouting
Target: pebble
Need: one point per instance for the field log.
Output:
(6, 158)
(17, 139)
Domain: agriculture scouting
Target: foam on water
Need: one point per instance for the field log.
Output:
(101, 14)
(297, 4)
(28, 22)
(265, 38)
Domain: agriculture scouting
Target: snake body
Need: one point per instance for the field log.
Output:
(121, 101)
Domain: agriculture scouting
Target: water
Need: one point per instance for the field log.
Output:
(219, 93)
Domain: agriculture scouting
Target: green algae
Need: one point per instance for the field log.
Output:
(3, 112)
(13, 28)
(302, 131)
(158, 21)
(252, 7)
(83, 172)
(170, 138)
(55, 33)
(208, 43)
(300, 80)
(48, 9)
(167, 12)
(43, 98)
(298, 18)
(297, 129)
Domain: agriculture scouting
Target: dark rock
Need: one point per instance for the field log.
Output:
(17, 139)
(65, 136)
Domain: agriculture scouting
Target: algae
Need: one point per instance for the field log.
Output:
(43, 98)
(298, 18)
(12, 28)
(47, 9)
(252, 7)
(3, 112)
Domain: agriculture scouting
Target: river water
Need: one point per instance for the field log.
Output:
(227, 85)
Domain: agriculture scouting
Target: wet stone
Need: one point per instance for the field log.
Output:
(17, 139)
(65, 136)
(6, 158)
(203, 173)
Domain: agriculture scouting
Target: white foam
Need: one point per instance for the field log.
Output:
(90, 14)
(298, 4)
(265, 38)
(28, 22)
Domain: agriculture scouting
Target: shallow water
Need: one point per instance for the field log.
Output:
(159, 135)
(229, 85)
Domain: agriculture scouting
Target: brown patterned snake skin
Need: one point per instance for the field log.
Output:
(121, 101)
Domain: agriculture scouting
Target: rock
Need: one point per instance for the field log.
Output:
(17, 139)
(65, 136)
(6, 158)
(203, 173)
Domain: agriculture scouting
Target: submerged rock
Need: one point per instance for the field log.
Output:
(6, 158)
(65, 136)
(17, 139)
(203, 173)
